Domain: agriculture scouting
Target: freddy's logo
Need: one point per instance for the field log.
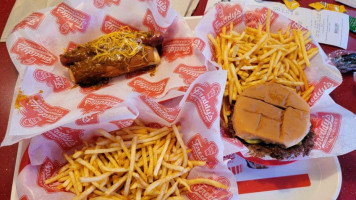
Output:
(65, 137)
(326, 126)
(295, 25)
(32, 21)
(70, 19)
(309, 46)
(31, 53)
(71, 46)
(177, 48)
(92, 105)
(102, 3)
(123, 123)
(204, 192)
(36, 112)
(226, 13)
(320, 87)
(259, 16)
(111, 24)
(47, 169)
(199, 43)
(189, 73)
(204, 96)
(151, 23)
(204, 150)
(58, 83)
(151, 89)
(162, 7)
(168, 114)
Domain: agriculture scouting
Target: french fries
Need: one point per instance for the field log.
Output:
(256, 56)
(136, 162)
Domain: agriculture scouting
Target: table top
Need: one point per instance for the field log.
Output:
(344, 95)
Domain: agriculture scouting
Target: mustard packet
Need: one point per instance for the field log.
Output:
(291, 4)
(328, 6)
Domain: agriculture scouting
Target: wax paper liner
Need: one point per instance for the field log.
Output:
(197, 113)
(51, 98)
(332, 124)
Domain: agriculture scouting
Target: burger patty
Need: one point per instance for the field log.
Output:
(277, 151)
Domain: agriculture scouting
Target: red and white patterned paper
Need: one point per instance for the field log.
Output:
(36, 43)
(45, 151)
(332, 124)
(32, 21)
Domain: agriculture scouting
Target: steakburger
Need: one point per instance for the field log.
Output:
(112, 55)
(271, 119)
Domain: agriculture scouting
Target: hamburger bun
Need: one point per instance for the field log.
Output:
(271, 113)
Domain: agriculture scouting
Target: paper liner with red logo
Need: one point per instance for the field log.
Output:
(162, 7)
(93, 105)
(32, 21)
(45, 151)
(180, 48)
(58, 83)
(65, 137)
(71, 46)
(123, 123)
(29, 178)
(327, 127)
(204, 97)
(110, 24)
(70, 19)
(189, 73)
(36, 43)
(32, 53)
(151, 89)
(36, 112)
(46, 170)
(202, 149)
(333, 128)
(103, 3)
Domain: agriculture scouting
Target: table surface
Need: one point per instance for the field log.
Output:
(345, 95)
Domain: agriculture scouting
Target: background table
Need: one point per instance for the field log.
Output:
(345, 95)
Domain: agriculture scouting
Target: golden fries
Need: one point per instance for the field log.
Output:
(256, 56)
(132, 163)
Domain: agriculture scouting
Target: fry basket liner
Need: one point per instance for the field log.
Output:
(47, 99)
(197, 114)
(332, 124)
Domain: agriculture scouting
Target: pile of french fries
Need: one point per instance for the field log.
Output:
(136, 162)
(256, 56)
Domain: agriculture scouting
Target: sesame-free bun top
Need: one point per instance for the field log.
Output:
(272, 113)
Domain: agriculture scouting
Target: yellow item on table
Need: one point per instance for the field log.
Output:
(291, 4)
(328, 6)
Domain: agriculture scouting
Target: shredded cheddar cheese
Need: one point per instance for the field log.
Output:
(119, 45)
